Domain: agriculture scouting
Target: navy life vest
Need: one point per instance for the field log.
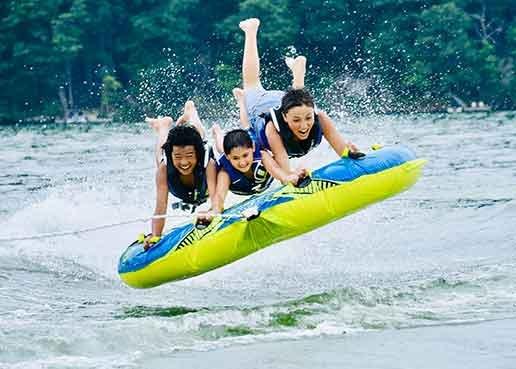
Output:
(240, 183)
(294, 147)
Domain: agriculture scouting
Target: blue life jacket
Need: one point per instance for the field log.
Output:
(294, 147)
(199, 193)
(240, 183)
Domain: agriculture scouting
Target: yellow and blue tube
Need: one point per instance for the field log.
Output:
(336, 190)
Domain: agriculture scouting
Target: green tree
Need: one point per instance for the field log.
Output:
(510, 74)
(110, 94)
(68, 29)
(165, 51)
(159, 30)
(390, 49)
(28, 62)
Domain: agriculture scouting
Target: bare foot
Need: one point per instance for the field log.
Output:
(189, 113)
(159, 124)
(289, 61)
(297, 65)
(249, 25)
(239, 95)
(216, 130)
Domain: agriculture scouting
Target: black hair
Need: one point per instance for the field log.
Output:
(185, 135)
(296, 97)
(236, 138)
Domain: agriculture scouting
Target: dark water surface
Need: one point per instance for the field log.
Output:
(436, 261)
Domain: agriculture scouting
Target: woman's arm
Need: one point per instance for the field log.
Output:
(333, 136)
(275, 170)
(277, 147)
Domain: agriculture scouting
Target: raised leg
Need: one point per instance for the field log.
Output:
(298, 67)
(251, 59)
(161, 126)
(190, 115)
(239, 95)
(218, 138)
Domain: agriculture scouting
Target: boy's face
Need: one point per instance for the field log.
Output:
(300, 120)
(241, 158)
(184, 159)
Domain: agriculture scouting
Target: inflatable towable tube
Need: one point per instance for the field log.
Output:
(335, 190)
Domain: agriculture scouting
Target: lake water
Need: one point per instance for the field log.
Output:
(426, 279)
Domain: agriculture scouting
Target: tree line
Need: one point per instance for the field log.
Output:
(140, 57)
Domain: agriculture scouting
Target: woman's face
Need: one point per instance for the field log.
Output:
(300, 120)
(184, 159)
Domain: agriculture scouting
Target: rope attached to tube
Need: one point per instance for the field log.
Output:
(104, 226)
